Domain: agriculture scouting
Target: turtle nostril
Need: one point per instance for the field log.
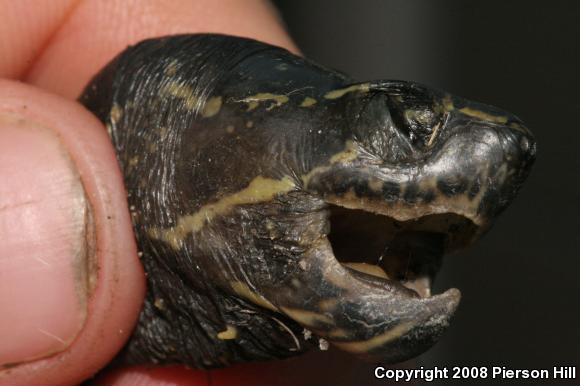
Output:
(527, 146)
(532, 151)
(524, 144)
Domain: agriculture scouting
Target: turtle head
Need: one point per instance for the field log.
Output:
(274, 202)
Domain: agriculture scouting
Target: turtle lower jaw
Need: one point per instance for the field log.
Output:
(365, 314)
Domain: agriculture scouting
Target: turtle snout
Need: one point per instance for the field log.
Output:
(481, 161)
(519, 153)
(524, 144)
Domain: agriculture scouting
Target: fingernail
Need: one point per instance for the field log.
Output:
(45, 243)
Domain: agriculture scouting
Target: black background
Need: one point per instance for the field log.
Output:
(521, 282)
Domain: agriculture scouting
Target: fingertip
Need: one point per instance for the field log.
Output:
(114, 301)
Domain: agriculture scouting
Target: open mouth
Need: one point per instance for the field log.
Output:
(366, 286)
(409, 252)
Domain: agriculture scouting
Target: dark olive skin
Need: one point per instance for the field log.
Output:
(252, 172)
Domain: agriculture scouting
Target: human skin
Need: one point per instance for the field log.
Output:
(71, 285)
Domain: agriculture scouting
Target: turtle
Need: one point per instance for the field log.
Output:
(279, 205)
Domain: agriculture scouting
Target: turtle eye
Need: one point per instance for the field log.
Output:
(416, 120)
(420, 123)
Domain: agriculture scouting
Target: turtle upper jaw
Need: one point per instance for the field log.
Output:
(473, 168)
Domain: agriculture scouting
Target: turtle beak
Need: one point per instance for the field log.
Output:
(362, 313)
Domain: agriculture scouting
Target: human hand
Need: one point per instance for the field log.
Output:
(71, 285)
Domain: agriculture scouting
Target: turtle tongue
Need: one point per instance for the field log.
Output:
(360, 313)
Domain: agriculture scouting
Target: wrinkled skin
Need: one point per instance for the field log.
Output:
(277, 202)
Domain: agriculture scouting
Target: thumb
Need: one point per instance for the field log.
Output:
(71, 285)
